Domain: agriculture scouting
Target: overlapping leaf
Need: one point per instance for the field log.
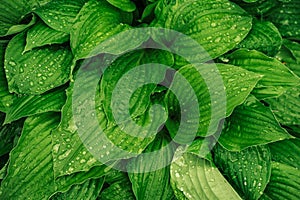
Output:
(248, 170)
(36, 71)
(197, 178)
(218, 26)
(118, 190)
(125, 5)
(40, 35)
(251, 124)
(277, 78)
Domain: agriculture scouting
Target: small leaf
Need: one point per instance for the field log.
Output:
(264, 37)
(197, 178)
(60, 14)
(36, 71)
(251, 124)
(248, 170)
(276, 79)
(40, 35)
(125, 5)
(118, 190)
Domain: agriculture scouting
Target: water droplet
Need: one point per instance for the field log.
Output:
(12, 63)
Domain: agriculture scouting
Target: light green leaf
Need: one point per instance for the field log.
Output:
(197, 178)
(125, 5)
(3, 171)
(286, 106)
(264, 37)
(202, 147)
(30, 105)
(89, 190)
(12, 13)
(96, 22)
(60, 14)
(30, 171)
(284, 182)
(36, 71)
(251, 124)
(286, 152)
(238, 85)
(149, 184)
(118, 190)
(248, 170)
(277, 78)
(40, 35)
(218, 26)
(286, 17)
(289, 54)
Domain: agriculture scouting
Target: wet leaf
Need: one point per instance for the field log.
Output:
(125, 5)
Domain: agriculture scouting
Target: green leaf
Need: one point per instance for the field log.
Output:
(3, 172)
(286, 152)
(290, 55)
(258, 8)
(277, 78)
(30, 171)
(9, 135)
(197, 178)
(286, 106)
(60, 14)
(96, 22)
(286, 17)
(149, 184)
(218, 26)
(40, 35)
(30, 105)
(118, 190)
(248, 170)
(264, 37)
(89, 190)
(238, 85)
(6, 99)
(251, 124)
(284, 182)
(12, 13)
(36, 71)
(125, 5)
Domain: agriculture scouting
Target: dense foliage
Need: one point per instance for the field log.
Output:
(254, 46)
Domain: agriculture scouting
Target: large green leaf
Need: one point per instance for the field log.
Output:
(286, 16)
(24, 106)
(277, 78)
(89, 190)
(264, 37)
(251, 124)
(218, 26)
(286, 152)
(60, 14)
(197, 178)
(212, 101)
(96, 22)
(40, 35)
(248, 170)
(36, 71)
(149, 184)
(12, 13)
(284, 182)
(30, 171)
(286, 106)
(118, 190)
(125, 5)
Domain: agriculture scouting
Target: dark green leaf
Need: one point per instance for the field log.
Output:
(258, 8)
(277, 78)
(248, 170)
(251, 124)
(40, 35)
(36, 71)
(118, 190)
(264, 37)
